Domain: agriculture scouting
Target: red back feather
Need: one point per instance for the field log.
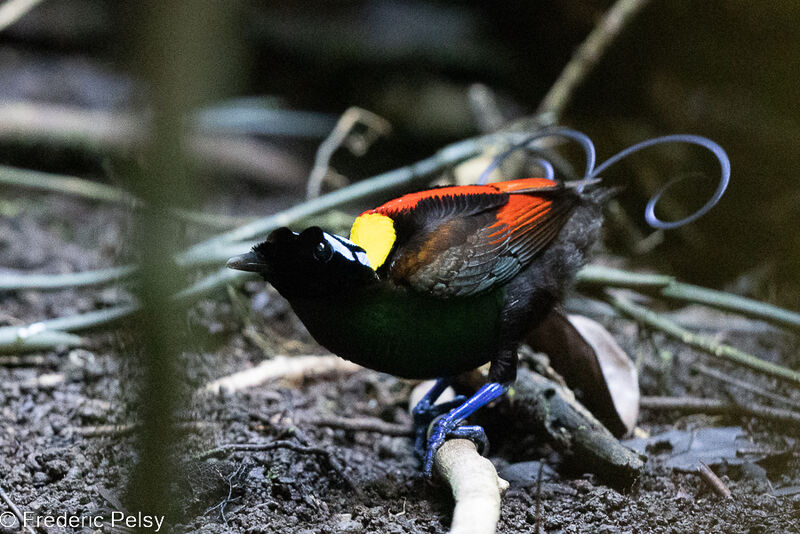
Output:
(411, 200)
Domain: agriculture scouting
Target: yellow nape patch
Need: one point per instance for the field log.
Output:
(375, 234)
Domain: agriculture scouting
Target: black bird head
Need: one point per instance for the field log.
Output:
(310, 264)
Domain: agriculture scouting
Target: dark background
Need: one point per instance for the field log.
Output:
(726, 70)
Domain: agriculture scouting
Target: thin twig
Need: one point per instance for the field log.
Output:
(50, 333)
(259, 447)
(70, 127)
(13, 10)
(484, 107)
(539, 498)
(600, 275)
(363, 425)
(69, 185)
(747, 386)
(228, 499)
(286, 367)
(733, 303)
(35, 337)
(16, 282)
(719, 407)
(353, 116)
(14, 510)
(587, 56)
(714, 482)
(282, 444)
(705, 344)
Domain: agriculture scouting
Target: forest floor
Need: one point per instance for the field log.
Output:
(57, 459)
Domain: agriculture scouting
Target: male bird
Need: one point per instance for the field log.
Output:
(439, 282)
(436, 283)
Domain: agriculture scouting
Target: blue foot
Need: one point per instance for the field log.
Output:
(475, 434)
(426, 411)
(449, 425)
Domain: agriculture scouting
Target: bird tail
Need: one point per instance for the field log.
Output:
(590, 176)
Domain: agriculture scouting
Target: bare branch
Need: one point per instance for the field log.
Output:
(711, 478)
(287, 367)
(743, 384)
(587, 56)
(340, 135)
(475, 485)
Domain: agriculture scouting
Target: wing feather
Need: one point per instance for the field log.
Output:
(460, 241)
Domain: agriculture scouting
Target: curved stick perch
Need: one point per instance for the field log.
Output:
(540, 405)
(475, 485)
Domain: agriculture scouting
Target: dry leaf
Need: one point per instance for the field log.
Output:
(593, 365)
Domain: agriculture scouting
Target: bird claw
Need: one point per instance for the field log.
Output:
(475, 434)
(425, 415)
(445, 429)
(449, 424)
(425, 412)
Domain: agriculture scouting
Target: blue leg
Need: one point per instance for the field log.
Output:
(447, 425)
(426, 411)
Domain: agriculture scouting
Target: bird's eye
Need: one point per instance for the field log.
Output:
(323, 251)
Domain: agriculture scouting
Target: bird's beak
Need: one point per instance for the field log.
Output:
(251, 261)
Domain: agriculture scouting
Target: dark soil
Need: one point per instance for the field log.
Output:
(51, 468)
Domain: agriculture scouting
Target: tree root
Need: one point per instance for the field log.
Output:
(475, 485)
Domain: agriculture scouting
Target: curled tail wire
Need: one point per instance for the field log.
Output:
(593, 171)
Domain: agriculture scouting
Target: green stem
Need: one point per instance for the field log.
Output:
(594, 275)
(705, 344)
(51, 333)
(733, 303)
(408, 176)
(71, 185)
(667, 286)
